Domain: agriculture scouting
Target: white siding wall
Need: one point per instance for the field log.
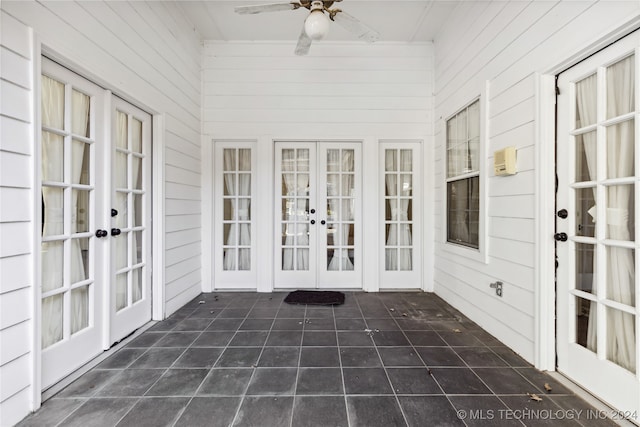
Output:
(357, 91)
(16, 213)
(505, 44)
(144, 52)
(344, 89)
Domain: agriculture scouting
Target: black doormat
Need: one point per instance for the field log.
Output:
(315, 297)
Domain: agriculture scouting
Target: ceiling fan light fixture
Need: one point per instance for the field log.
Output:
(317, 23)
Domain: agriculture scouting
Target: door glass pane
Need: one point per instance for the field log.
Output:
(136, 172)
(620, 212)
(586, 157)
(80, 161)
(302, 259)
(621, 275)
(79, 309)
(621, 339)
(80, 114)
(121, 291)
(585, 212)
(391, 259)
(121, 251)
(406, 259)
(52, 265)
(244, 259)
(620, 150)
(121, 206)
(586, 104)
(585, 333)
(229, 259)
(230, 162)
(406, 185)
(585, 262)
(138, 200)
(138, 244)
(121, 170)
(136, 136)
(348, 161)
(52, 157)
(333, 160)
(620, 87)
(79, 259)
(52, 215)
(244, 184)
(136, 287)
(52, 103)
(303, 160)
(80, 218)
(121, 130)
(51, 320)
(244, 159)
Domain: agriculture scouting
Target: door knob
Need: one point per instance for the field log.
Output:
(114, 212)
(313, 221)
(323, 222)
(561, 237)
(101, 233)
(115, 231)
(562, 213)
(312, 211)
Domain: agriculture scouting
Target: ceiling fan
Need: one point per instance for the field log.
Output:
(316, 25)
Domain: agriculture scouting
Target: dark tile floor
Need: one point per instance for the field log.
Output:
(248, 359)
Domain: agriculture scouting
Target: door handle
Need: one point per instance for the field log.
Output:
(313, 221)
(562, 213)
(101, 233)
(561, 237)
(115, 231)
(323, 222)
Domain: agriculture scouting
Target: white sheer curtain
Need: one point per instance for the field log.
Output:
(121, 197)
(399, 232)
(240, 207)
(52, 170)
(296, 200)
(620, 159)
(620, 154)
(136, 147)
(342, 208)
(586, 100)
(80, 296)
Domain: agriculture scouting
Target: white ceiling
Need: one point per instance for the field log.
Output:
(395, 20)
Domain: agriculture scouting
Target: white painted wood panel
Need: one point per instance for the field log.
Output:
(13, 377)
(20, 338)
(15, 136)
(16, 101)
(506, 44)
(16, 203)
(9, 280)
(15, 68)
(12, 305)
(15, 170)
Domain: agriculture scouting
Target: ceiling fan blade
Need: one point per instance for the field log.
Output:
(273, 7)
(354, 26)
(304, 44)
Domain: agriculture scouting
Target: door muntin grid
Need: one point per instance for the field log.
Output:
(603, 310)
(236, 200)
(67, 183)
(398, 199)
(341, 205)
(294, 201)
(130, 191)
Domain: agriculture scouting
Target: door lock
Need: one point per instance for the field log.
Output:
(115, 231)
(562, 213)
(561, 237)
(101, 233)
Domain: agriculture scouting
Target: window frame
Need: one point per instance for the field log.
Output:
(480, 253)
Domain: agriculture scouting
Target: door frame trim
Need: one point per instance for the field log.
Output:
(545, 199)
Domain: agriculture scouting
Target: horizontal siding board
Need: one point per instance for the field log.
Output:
(19, 233)
(521, 206)
(182, 160)
(175, 240)
(182, 191)
(521, 183)
(12, 305)
(15, 377)
(14, 35)
(181, 253)
(333, 115)
(181, 176)
(281, 102)
(521, 229)
(174, 223)
(315, 76)
(16, 342)
(15, 102)
(15, 407)
(184, 297)
(15, 136)
(176, 272)
(174, 289)
(15, 170)
(317, 89)
(419, 63)
(514, 117)
(15, 68)
(16, 205)
(12, 273)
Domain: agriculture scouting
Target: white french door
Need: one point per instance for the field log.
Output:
(598, 191)
(318, 215)
(130, 258)
(93, 265)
